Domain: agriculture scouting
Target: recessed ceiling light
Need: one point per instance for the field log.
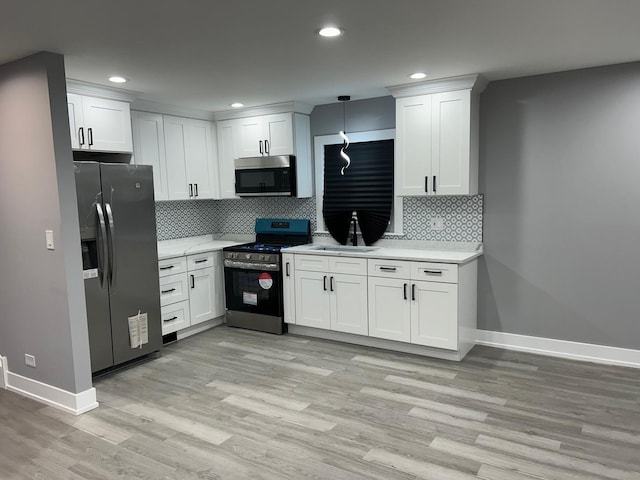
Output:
(237, 105)
(117, 79)
(417, 75)
(330, 32)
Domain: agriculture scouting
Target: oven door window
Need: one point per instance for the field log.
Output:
(253, 291)
(263, 180)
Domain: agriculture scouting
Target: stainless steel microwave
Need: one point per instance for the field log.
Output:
(266, 176)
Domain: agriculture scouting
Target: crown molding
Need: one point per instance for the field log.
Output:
(166, 109)
(94, 90)
(474, 82)
(284, 107)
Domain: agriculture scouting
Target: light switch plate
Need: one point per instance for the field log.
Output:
(49, 236)
(30, 360)
(436, 223)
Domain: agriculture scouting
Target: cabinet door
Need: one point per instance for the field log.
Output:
(312, 299)
(148, 149)
(227, 153)
(413, 146)
(108, 125)
(279, 133)
(251, 134)
(202, 301)
(200, 158)
(74, 108)
(434, 315)
(390, 309)
(174, 142)
(451, 142)
(288, 288)
(349, 303)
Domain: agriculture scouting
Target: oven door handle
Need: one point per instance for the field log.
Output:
(251, 265)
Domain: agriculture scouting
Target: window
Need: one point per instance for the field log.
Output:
(332, 143)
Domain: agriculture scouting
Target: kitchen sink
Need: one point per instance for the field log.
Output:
(345, 248)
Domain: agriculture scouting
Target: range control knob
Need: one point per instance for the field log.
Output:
(248, 256)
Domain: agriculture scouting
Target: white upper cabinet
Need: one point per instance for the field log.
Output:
(190, 151)
(263, 135)
(148, 148)
(437, 137)
(99, 124)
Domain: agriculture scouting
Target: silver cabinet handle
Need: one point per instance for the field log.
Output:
(433, 272)
(111, 243)
(388, 269)
(102, 245)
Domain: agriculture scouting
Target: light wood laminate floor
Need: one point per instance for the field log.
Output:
(235, 404)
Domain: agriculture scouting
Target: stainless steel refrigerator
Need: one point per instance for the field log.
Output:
(120, 259)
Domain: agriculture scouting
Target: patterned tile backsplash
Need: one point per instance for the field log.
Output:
(462, 216)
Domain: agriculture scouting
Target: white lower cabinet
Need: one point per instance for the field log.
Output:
(288, 288)
(434, 315)
(421, 303)
(202, 295)
(195, 294)
(328, 298)
(389, 309)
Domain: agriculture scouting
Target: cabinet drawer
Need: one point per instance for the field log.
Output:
(389, 268)
(173, 288)
(172, 266)
(434, 272)
(175, 317)
(201, 260)
(312, 263)
(349, 265)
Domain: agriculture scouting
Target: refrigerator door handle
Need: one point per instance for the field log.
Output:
(102, 245)
(112, 263)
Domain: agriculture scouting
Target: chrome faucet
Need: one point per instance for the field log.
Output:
(354, 236)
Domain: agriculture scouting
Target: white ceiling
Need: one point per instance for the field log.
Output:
(206, 54)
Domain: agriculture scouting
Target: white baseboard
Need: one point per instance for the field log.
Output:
(4, 369)
(586, 352)
(75, 403)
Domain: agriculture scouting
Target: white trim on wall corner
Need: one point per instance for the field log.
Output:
(586, 352)
(3, 372)
(75, 403)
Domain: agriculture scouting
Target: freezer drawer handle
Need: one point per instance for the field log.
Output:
(167, 267)
(170, 319)
(168, 291)
(193, 281)
(388, 269)
(433, 272)
(202, 261)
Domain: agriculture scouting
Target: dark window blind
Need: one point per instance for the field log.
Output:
(366, 185)
(365, 188)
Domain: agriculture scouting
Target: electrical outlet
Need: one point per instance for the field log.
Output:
(436, 223)
(49, 237)
(30, 360)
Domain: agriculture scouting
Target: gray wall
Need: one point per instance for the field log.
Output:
(42, 296)
(560, 168)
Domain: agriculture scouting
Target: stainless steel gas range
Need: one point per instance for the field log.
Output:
(253, 274)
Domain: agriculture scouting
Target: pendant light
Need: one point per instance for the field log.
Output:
(343, 134)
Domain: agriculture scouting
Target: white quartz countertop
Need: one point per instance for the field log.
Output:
(392, 253)
(191, 245)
